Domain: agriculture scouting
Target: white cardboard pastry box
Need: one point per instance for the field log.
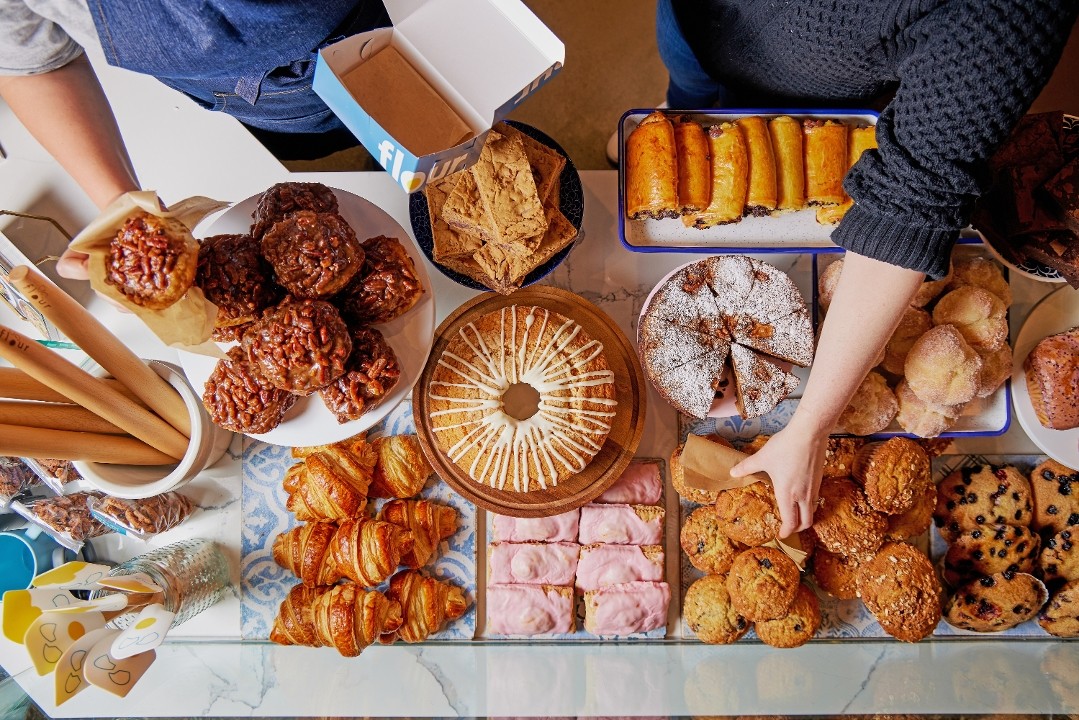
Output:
(422, 95)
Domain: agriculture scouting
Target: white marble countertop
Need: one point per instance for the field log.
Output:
(204, 670)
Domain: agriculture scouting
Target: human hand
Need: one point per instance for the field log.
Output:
(793, 459)
(73, 265)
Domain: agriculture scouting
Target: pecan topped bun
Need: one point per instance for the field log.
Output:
(372, 371)
(386, 288)
(152, 260)
(314, 255)
(300, 345)
(234, 277)
(239, 398)
(283, 199)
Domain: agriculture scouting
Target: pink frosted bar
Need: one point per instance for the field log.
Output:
(634, 607)
(533, 563)
(603, 565)
(640, 484)
(529, 610)
(557, 528)
(621, 524)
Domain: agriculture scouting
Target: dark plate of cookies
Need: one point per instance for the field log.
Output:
(324, 310)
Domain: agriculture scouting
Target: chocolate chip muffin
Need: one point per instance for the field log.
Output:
(893, 473)
(915, 521)
(839, 456)
(1056, 497)
(708, 611)
(836, 575)
(240, 399)
(749, 514)
(900, 588)
(370, 374)
(299, 345)
(982, 495)
(990, 549)
(797, 626)
(996, 602)
(845, 522)
(707, 548)
(678, 479)
(314, 255)
(1059, 561)
(762, 583)
(234, 276)
(1061, 616)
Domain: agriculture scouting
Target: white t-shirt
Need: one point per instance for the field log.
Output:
(37, 36)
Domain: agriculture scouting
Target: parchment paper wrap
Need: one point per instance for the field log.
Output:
(707, 465)
(185, 324)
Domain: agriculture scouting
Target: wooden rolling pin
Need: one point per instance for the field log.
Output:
(98, 342)
(92, 447)
(17, 385)
(82, 387)
(57, 416)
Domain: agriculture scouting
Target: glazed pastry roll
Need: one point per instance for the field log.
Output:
(557, 528)
(529, 610)
(730, 178)
(859, 139)
(787, 144)
(532, 563)
(762, 196)
(825, 161)
(621, 524)
(832, 214)
(639, 484)
(694, 171)
(652, 169)
(626, 609)
(604, 565)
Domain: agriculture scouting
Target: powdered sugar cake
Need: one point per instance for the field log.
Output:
(537, 347)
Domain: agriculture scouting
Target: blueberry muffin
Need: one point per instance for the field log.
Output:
(797, 626)
(894, 473)
(762, 583)
(749, 514)
(1059, 560)
(982, 495)
(1056, 497)
(845, 522)
(996, 602)
(678, 480)
(839, 456)
(836, 575)
(709, 613)
(900, 588)
(915, 521)
(707, 548)
(1061, 616)
(990, 549)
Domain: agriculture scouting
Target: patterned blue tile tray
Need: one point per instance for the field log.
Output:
(264, 585)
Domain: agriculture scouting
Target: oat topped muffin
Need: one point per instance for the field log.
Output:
(749, 514)
(894, 473)
(901, 589)
(845, 522)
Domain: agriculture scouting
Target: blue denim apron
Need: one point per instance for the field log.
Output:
(253, 59)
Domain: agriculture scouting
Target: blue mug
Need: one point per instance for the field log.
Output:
(26, 553)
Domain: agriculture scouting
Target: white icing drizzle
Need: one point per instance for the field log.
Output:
(559, 435)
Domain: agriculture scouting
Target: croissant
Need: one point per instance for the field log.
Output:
(331, 482)
(368, 551)
(401, 470)
(295, 622)
(305, 551)
(430, 523)
(426, 604)
(350, 618)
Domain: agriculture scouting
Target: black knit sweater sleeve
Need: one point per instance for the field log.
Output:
(967, 72)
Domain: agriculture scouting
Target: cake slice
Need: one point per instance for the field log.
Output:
(604, 565)
(761, 384)
(685, 301)
(1052, 374)
(639, 484)
(621, 524)
(774, 295)
(556, 528)
(731, 280)
(532, 563)
(628, 608)
(691, 388)
(788, 338)
(530, 610)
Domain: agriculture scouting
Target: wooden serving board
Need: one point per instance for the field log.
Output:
(626, 428)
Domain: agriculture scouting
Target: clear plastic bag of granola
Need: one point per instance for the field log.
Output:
(142, 518)
(59, 475)
(66, 518)
(16, 478)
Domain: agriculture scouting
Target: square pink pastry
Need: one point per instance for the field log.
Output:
(621, 524)
(625, 609)
(557, 528)
(532, 563)
(529, 610)
(640, 484)
(604, 565)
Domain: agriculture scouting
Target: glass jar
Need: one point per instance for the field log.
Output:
(193, 574)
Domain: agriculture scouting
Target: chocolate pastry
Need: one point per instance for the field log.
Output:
(283, 199)
(386, 288)
(370, 374)
(314, 255)
(152, 260)
(240, 399)
(300, 345)
(233, 276)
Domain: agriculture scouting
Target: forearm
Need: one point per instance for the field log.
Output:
(68, 113)
(868, 304)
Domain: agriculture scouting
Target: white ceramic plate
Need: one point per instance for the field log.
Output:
(309, 422)
(1054, 314)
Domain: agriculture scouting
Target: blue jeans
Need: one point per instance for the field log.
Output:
(690, 87)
